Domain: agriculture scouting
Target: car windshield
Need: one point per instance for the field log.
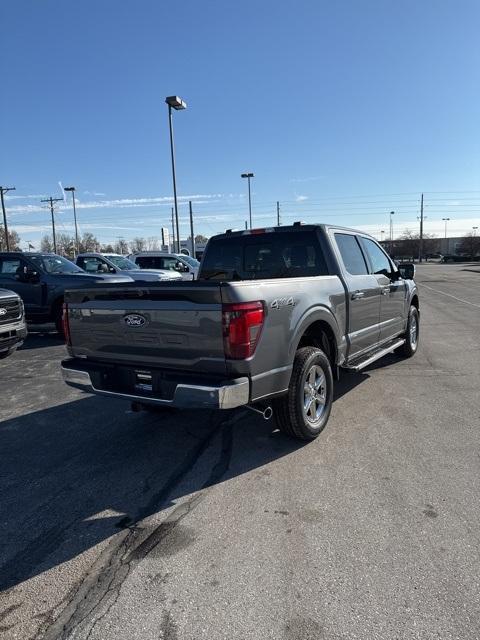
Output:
(56, 264)
(189, 260)
(121, 262)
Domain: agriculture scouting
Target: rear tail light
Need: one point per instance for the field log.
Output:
(66, 325)
(242, 325)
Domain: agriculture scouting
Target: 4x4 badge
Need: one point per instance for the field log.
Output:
(282, 302)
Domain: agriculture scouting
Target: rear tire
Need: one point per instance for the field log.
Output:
(410, 347)
(304, 411)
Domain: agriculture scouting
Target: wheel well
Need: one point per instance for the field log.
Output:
(415, 302)
(320, 334)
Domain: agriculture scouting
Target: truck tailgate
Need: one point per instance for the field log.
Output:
(164, 325)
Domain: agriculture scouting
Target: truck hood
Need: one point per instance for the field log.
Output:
(152, 275)
(6, 293)
(85, 278)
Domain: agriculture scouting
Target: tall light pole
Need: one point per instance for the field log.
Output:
(392, 213)
(72, 190)
(248, 176)
(174, 102)
(445, 220)
(4, 190)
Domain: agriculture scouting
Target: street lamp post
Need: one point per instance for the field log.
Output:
(392, 213)
(445, 220)
(174, 102)
(72, 190)
(248, 176)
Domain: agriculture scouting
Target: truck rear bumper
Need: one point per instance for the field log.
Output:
(231, 394)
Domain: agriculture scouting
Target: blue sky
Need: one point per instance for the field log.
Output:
(344, 111)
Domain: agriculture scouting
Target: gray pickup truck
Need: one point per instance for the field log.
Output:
(272, 318)
(13, 329)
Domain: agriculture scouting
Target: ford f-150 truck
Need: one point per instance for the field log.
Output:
(13, 329)
(40, 279)
(272, 318)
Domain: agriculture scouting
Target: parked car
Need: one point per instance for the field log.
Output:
(185, 265)
(40, 279)
(272, 318)
(13, 329)
(115, 263)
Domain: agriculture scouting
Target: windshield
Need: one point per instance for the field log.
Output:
(189, 260)
(56, 264)
(121, 262)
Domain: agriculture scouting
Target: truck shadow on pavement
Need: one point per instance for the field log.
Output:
(72, 475)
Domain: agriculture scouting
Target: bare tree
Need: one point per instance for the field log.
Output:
(65, 245)
(201, 239)
(107, 248)
(13, 240)
(46, 244)
(152, 243)
(138, 244)
(121, 247)
(89, 242)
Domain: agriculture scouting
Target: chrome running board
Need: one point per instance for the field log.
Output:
(376, 356)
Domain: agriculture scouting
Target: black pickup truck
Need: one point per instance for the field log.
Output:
(273, 316)
(41, 279)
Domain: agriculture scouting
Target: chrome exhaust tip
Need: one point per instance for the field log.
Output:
(266, 414)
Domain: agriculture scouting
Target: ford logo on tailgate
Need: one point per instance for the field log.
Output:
(134, 320)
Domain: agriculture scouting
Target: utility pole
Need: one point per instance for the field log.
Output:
(4, 190)
(173, 230)
(191, 229)
(246, 224)
(420, 245)
(278, 213)
(51, 202)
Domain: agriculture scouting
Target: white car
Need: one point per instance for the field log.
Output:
(115, 263)
(172, 262)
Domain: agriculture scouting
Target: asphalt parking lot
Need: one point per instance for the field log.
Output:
(120, 525)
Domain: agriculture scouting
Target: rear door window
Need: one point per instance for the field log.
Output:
(266, 255)
(351, 253)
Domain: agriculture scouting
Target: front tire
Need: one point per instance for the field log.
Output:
(304, 411)
(410, 347)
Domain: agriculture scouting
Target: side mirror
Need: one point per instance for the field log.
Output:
(407, 269)
(182, 268)
(103, 268)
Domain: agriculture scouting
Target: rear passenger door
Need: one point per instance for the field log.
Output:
(393, 289)
(364, 294)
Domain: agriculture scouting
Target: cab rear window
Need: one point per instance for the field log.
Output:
(267, 255)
